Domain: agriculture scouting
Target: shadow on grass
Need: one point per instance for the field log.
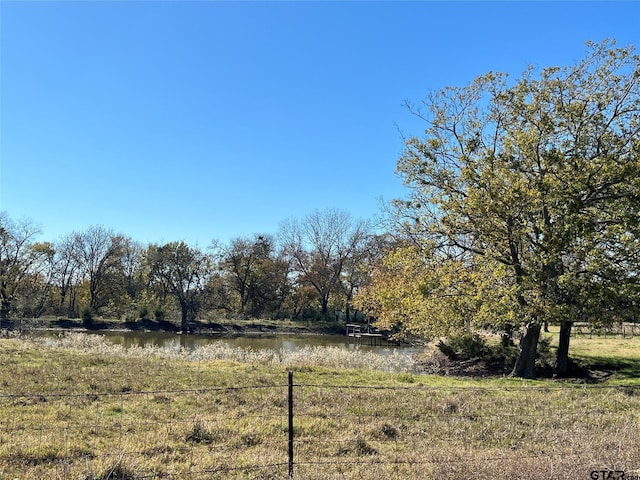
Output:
(622, 367)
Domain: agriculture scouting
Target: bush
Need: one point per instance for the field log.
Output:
(87, 317)
(118, 471)
(502, 355)
(363, 448)
(159, 314)
(466, 346)
(545, 357)
(473, 348)
(143, 313)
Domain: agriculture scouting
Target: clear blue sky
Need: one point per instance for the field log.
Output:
(175, 120)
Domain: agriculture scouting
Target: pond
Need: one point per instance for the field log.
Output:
(288, 343)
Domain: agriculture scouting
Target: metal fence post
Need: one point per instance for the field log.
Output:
(290, 424)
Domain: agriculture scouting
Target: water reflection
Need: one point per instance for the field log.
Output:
(288, 343)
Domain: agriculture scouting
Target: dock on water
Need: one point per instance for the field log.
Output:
(354, 331)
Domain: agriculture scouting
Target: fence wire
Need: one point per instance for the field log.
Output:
(364, 432)
(448, 432)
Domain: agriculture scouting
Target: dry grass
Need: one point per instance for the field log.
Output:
(86, 410)
(317, 356)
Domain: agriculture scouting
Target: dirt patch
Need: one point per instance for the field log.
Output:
(437, 363)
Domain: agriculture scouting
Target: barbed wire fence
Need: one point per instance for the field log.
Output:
(324, 431)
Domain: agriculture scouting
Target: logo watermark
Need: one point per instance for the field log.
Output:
(607, 474)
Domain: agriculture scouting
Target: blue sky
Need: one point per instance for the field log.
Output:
(176, 120)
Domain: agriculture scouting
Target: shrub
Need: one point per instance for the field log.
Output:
(159, 314)
(473, 349)
(143, 312)
(87, 317)
(502, 355)
(363, 448)
(545, 358)
(389, 431)
(466, 346)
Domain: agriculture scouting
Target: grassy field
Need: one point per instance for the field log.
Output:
(617, 357)
(83, 409)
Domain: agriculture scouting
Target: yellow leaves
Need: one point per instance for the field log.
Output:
(431, 296)
(45, 248)
(541, 174)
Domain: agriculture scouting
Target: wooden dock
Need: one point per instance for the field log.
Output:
(354, 331)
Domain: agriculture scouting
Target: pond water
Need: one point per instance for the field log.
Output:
(287, 343)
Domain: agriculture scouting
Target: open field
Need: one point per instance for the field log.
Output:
(615, 355)
(86, 410)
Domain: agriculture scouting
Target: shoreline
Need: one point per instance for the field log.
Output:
(220, 328)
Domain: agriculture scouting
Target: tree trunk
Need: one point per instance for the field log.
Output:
(63, 299)
(184, 308)
(562, 356)
(5, 307)
(324, 303)
(72, 312)
(525, 366)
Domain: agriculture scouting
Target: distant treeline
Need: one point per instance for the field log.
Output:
(309, 270)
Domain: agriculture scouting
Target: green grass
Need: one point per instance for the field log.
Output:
(87, 410)
(614, 355)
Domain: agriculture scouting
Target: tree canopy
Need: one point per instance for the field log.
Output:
(17, 255)
(542, 176)
(181, 271)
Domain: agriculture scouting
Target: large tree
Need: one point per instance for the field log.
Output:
(131, 270)
(319, 246)
(99, 253)
(180, 271)
(257, 273)
(36, 291)
(17, 255)
(542, 176)
(358, 269)
(431, 295)
(67, 275)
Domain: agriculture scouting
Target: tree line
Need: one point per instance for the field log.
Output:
(308, 270)
(523, 210)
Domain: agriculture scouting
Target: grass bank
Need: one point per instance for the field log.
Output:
(81, 408)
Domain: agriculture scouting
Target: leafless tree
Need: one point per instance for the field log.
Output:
(16, 257)
(319, 246)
